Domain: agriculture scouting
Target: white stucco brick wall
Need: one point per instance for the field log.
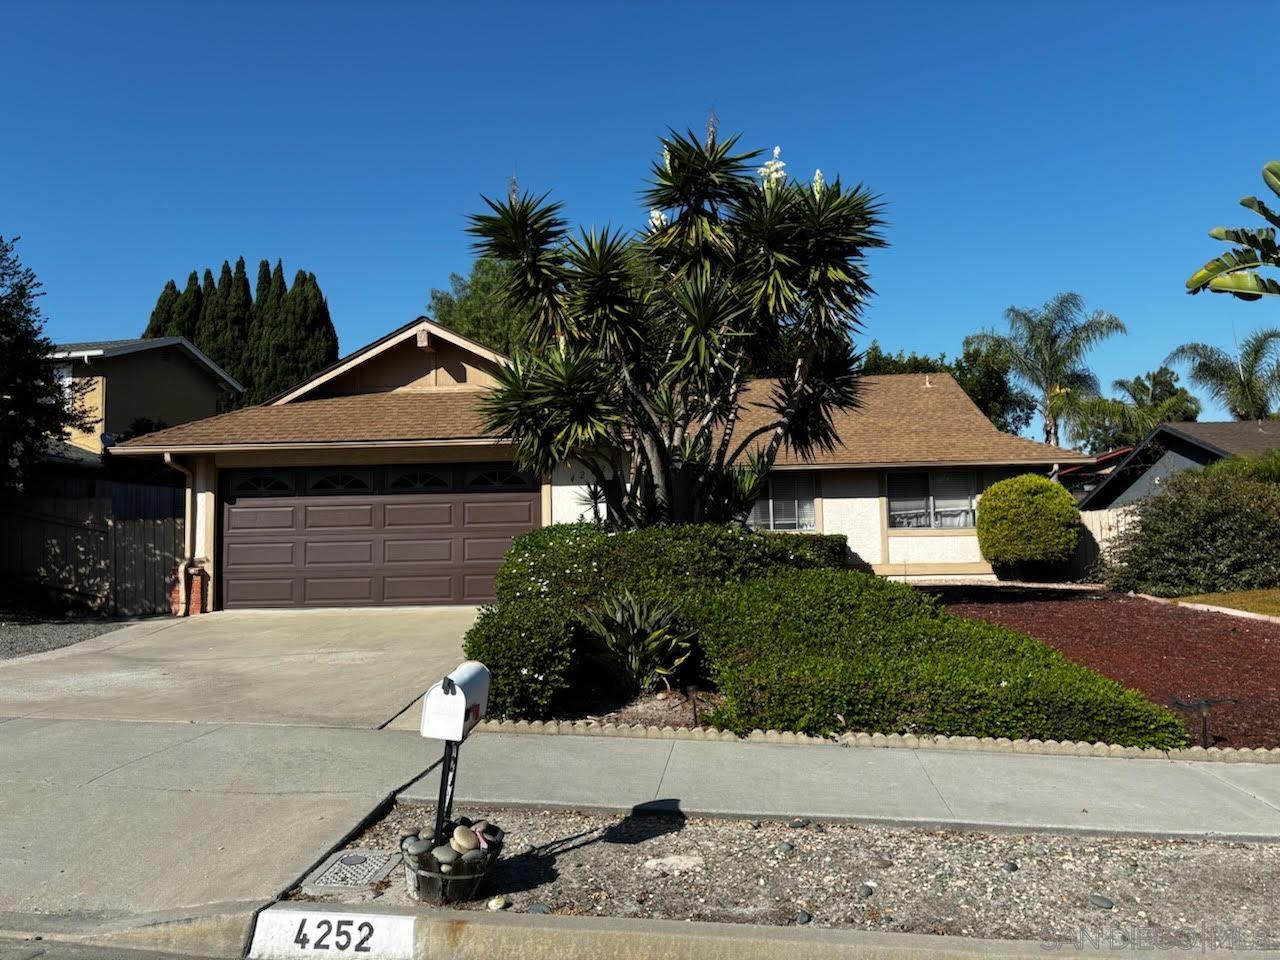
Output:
(963, 549)
(851, 505)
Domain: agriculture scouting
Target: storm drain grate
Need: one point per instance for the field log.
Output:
(348, 869)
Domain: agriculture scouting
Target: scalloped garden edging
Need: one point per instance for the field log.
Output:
(904, 741)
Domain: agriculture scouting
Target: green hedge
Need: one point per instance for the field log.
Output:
(579, 563)
(1208, 531)
(530, 648)
(531, 638)
(1028, 520)
(823, 651)
(1264, 466)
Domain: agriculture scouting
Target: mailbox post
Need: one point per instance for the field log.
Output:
(450, 710)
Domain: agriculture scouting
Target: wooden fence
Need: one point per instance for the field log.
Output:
(107, 545)
(1100, 530)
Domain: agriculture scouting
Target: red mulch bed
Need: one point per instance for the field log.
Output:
(1163, 650)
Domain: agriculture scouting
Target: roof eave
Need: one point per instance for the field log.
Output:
(137, 449)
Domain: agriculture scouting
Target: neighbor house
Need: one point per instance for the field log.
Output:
(377, 482)
(1174, 447)
(129, 383)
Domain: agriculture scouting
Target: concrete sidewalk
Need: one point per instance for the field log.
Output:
(107, 824)
(970, 789)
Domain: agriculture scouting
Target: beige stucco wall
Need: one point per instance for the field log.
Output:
(851, 506)
(163, 385)
(407, 366)
(934, 549)
(568, 500)
(90, 388)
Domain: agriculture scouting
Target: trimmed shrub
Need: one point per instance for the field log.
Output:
(1028, 520)
(531, 650)
(581, 563)
(1208, 531)
(532, 640)
(820, 651)
(1264, 467)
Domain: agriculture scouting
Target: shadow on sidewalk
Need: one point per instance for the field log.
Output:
(529, 870)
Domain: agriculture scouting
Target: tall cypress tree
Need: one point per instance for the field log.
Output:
(161, 322)
(215, 335)
(187, 308)
(239, 308)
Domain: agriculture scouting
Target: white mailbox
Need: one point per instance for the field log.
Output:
(457, 703)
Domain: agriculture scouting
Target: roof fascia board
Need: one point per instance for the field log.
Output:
(134, 449)
(159, 343)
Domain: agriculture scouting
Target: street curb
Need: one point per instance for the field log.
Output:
(901, 741)
(476, 935)
(217, 931)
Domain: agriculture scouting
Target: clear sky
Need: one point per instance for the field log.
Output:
(1022, 147)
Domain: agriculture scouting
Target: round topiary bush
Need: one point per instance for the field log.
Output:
(1028, 522)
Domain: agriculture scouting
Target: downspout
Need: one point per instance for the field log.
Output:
(189, 524)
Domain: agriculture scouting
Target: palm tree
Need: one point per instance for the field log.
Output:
(1248, 383)
(1047, 348)
(1105, 423)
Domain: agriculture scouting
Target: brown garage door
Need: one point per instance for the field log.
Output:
(363, 536)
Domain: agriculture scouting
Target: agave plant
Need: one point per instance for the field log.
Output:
(639, 639)
(1236, 272)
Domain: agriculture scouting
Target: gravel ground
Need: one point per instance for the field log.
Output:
(1038, 887)
(1163, 650)
(21, 635)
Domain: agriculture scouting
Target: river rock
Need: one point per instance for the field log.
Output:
(464, 839)
(802, 918)
(799, 823)
(474, 856)
(538, 907)
(445, 854)
(497, 903)
(785, 847)
(1101, 902)
(417, 847)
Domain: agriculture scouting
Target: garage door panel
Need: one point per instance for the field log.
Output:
(346, 552)
(477, 588)
(259, 592)
(335, 591)
(260, 517)
(485, 548)
(423, 514)
(353, 549)
(330, 515)
(498, 513)
(251, 554)
(418, 589)
(435, 550)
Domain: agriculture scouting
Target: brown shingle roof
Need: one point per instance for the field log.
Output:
(904, 419)
(1232, 437)
(439, 414)
(910, 418)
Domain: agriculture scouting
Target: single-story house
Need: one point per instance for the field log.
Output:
(1174, 447)
(377, 482)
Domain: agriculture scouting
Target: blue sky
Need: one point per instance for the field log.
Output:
(1021, 148)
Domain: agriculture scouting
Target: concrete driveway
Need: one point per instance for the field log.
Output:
(339, 668)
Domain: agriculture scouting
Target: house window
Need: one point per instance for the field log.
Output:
(787, 505)
(940, 501)
(414, 481)
(339, 482)
(263, 484)
(495, 478)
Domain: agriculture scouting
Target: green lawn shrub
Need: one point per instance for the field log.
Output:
(533, 640)
(818, 651)
(1207, 531)
(1028, 523)
(1265, 466)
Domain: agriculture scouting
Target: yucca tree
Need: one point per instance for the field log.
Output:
(1236, 272)
(1246, 383)
(1047, 347)
(638, 344)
